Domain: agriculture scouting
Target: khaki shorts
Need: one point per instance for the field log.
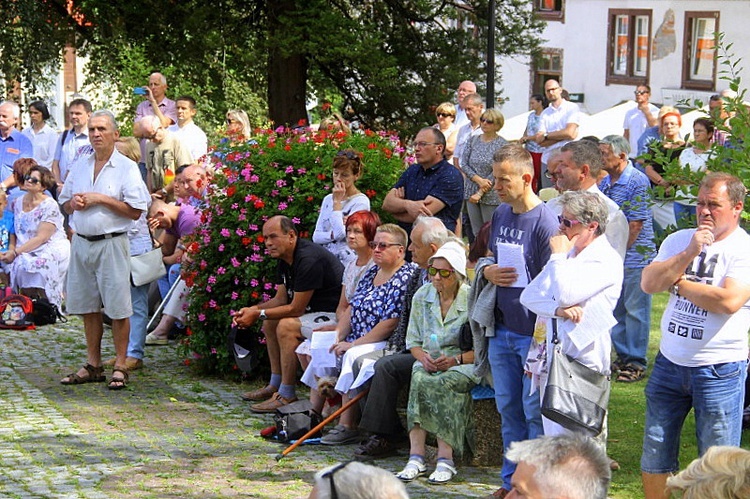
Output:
(99, 274)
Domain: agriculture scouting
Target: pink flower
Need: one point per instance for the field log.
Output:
(221, 271)
(240, 232)
(234, 295)
(212, 279)
(225, 232)
(235, 262)
(281, 182)
(296, 220)
(254, 179)
(253, 282)
(212, 303)
(301, 171)
(282, 206)
(289, 169)
(208, 289)
(221, 247)
(201, 317)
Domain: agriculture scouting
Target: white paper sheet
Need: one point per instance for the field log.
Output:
(511, 255)
(365, 373)
(320, 344)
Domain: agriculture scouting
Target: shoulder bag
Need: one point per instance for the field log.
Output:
(149, 266)
(576, 396)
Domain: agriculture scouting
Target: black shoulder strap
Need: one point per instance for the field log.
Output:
(64, 136)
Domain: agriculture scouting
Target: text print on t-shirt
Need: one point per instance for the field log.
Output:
(691, 317)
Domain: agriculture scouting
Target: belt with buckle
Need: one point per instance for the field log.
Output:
(100, 237)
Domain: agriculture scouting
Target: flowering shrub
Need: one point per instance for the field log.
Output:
(282, 171)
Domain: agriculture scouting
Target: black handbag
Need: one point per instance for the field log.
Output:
(295, 420)
(576, 396)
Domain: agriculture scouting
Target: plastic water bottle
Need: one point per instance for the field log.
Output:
(432, 346)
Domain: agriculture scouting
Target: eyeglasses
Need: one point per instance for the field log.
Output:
(567, 222)
(348, 155)
(487, 120)
(640, 92)
(382, 246)
(444, 115)
(444, 273)
(33, 180)
(549, 175)
(329, 474)
(419, 145)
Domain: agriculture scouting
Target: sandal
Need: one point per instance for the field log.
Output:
(631, 374)
(118, 382)
(95, 375)
(443, 473)
(413, 469)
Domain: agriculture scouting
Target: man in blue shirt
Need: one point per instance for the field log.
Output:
(13, 144)
(431, 187)
(629, 188)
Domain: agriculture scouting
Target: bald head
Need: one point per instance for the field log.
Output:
(465, 88)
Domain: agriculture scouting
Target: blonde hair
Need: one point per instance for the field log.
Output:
(496, 116)
(399, 234)
(721, 472)
(446, 108)
(130, 148)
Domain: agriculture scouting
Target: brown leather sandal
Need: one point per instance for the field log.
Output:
(118, 382)
(95, 375)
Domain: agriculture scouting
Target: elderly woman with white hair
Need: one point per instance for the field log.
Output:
(576, 292)
(443, 376)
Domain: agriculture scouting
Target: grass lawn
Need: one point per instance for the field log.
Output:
(627, 409)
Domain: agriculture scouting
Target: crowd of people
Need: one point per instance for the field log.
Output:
(383, 307)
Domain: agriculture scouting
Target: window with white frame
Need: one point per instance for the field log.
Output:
(628, 58)
(699, 49)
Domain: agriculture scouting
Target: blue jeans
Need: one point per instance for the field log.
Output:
(633, 314)
(716, 394)
(138, 321)
(165, 282)
(519, 412)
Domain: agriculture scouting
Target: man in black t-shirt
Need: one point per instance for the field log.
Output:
(307, 293)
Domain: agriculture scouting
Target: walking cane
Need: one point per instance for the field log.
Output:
(321, 424)
(163, 302)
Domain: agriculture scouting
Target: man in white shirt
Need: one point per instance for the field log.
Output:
(559, 122)
(465, 88)
(578, 170)
(72, 140)
(638, 119)
(191, 136)
(106, 192)
(702, 360)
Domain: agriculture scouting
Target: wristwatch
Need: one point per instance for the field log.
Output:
(263, 315)
(675, 289)
(545, 136)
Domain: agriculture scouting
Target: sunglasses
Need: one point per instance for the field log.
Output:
(329, 475)
(567, 222)
(444, 115)
(488, 121)
(33, 180)
(382, 246)
(444, 273)
(640, 92)
(348, 155)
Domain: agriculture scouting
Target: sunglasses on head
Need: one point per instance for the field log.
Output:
(444, 273)
(567, 222)
(348, 155)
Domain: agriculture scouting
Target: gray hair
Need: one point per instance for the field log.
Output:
(162, 77)
(618, 143)
(586, 207)
(570, 466)
(14, 106)
(434, 231)
(585, 152)
(153, 122)
(356, 480)
(473, 100)
(109, 115)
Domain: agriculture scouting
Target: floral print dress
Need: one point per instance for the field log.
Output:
(46, 266)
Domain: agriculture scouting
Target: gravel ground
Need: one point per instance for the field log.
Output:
(171, 434)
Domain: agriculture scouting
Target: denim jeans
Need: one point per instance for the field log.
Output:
(633, 314)
(138, 321)
(166, 282)
(519, 412)
(716, 394)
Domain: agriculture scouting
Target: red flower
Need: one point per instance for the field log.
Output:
(287, 147)
(231, 190)
(193, 247)
(321, 176)
(326, 106)
(254, 295)
(302, 122)
(246, 241)
(309, 199)
(259, 204)
(370, 193)
(261, 239)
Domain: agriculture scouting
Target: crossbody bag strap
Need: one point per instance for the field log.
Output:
(554, 331)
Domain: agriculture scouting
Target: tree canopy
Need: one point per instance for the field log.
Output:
(392, 61)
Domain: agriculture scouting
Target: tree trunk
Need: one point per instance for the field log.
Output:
(287, 74)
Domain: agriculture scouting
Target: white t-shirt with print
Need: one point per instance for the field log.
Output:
(690, 335)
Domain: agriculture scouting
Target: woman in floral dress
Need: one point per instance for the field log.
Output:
(42, 252)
